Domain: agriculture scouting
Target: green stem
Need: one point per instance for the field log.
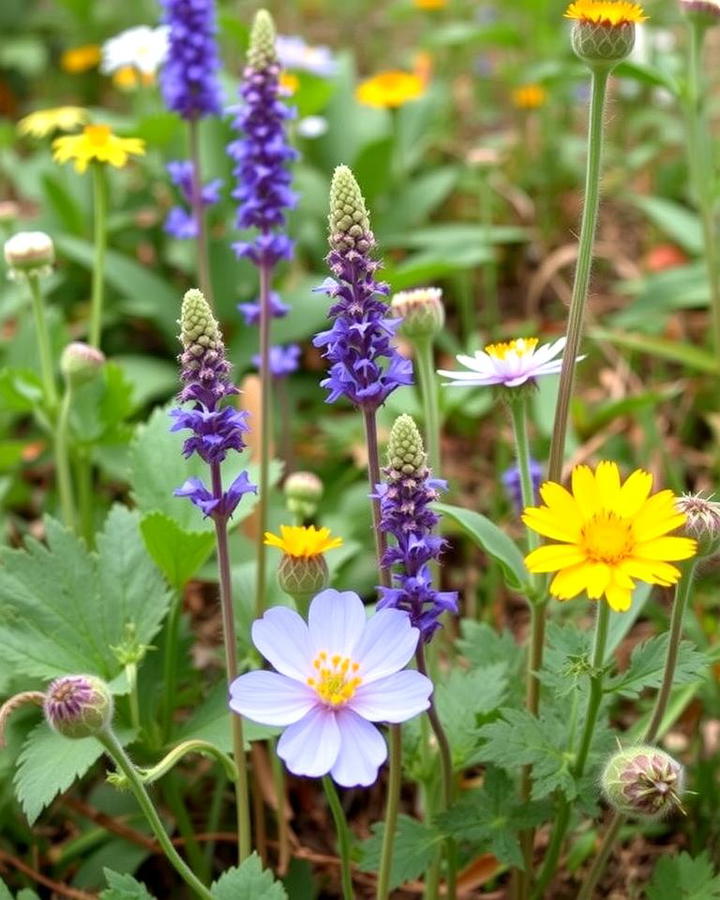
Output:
(582, 273)
(131, 675)
(427, 381)
(371, 441)
(391, 813)
(280, 786)
(231, 668)
(518, 414)
(100, 241)
(122, 761)
(343, 836)
(265, 439)
(170, 650)
(213, 819)
(682, 595)
(184, 825)
(62, 460)
(489, 269)
(198, 210)
(83, 476)
(43, 342)
(700, 162)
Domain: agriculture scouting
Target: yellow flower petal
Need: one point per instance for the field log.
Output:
(634, 493)
(618, 598)
(651, 571)
(569, 582)
(584, 490)
(561, 501)
(597, 576)
(667, 548)
(546, 522)
(553, 557)
(607, 484)
(657, 516)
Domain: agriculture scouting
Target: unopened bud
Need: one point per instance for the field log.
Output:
(29, 253)
(261, 52)
(9, 212)
(78, 706)
(702, 522)
(81, 363)
(303, 576)
(703, 12)
(406, 453)
(303, 491)
(604, 30)
(349, 220)
(421, 310)
(643, 781)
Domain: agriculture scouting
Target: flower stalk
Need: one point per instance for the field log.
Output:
(43, 342)
(100, 201)
(343, 836)
(198, 211)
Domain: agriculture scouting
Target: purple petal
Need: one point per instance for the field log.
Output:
(388, 642)
(311, 746)
(271, 699)
(336, 621)
(362, 751)
(282, 638)
(395, 698)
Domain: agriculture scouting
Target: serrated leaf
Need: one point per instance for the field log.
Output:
(124, 887)
(415, 843)
(177, 552)
(684, 878)
(647, 664)
(249, 881)
(48, 764)
(63, 608)
(486, 535)
(566, 662)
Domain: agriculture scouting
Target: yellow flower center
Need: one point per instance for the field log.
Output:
(97, 135)
(335, 681)
(522, 346)
(607, 538)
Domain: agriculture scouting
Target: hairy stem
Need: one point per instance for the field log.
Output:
(427, 381)
(100, 242)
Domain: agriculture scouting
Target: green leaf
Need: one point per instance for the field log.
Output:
(675, 221)
(647, 664)
(177, 553)
(415, 843)
(486, 535)
(101, 408)
(249, 881)
(683, 878)
(48, 764)
(124, 887)
(674, 351)
(211, 722)
(20, 390)
(62, 608)
(566, 663)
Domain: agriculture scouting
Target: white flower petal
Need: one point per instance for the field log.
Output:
(271, 699)
(395, 698)
(311, 746)
(387, 643)
(362, 751)
(283, 639)
(336, 621)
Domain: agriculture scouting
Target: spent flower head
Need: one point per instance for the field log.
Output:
(644, 782)
(702, 12)
(702, 522)
(611, 535)
(334, 676)
(98, 144)
(303, 491)
(78, 706)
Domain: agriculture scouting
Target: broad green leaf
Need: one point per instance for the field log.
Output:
(486, 535)
(124, 887)
(415, 844)
(62, 608)
(673, 351)
(211, 722)
(249, 881)
(683, 878)
(674, 220)
(456, 234)
(20, 390)
(151, 378)
(647, 665)
(178, 553)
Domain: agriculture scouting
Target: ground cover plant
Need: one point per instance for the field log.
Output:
(359, 399)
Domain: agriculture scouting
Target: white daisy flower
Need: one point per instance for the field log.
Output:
(510, 364)
(142, 47)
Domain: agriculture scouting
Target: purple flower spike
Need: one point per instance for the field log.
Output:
(262, 154)
(251, 311)
(223, 506)
(189, 77)
(180, 223)
(283, 360)
(405, 513)
(335, 676)
(365, 366)
(511, 482)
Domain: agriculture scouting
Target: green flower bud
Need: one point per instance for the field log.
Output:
(349, 220)
(303, 576)
(81, 363)
(78, 706)
(29, 253)
(703, 522)
(596, 43)
(199, 330)
(406, 454)
(303, 491)
(644, 782)
(262, 53)
(421, 310)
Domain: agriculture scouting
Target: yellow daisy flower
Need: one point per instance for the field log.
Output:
(289, 82)
(606, 12)
(80, 59)
(96, 143)
(303, 541)
(128, 78)
(430, 4)
(390, 89)
(611, 534)
(529, 96)
(60, 118)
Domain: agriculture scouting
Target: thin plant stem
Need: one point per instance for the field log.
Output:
(371, 442)
(562, 819)
(280, 785)
(43, 343)
(170, 650)
(175, 801)
(446, 772)
(427, 381)
(265, 438)
(343, 836)
(213, 819)
(131, 675)
(122, 761)
(701, 171)
(519, 417)
(231, 667)
(62, 460)
(198, 211)
(682, 595)
(582, 273)
(391, 813)
(258, 802)
(100, 241)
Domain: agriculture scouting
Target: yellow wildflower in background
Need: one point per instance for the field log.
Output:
(529, 96)
(96, 143)
(128, 78)
(388, 90)
(80, 59)
(303, 541)
(611, 534)
(606, 12)
(44, 121)
(289, 82)
(430, 4)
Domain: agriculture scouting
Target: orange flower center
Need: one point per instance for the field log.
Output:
(97, 135)
(607, 538)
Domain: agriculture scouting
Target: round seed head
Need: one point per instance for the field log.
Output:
(303, 490)
(702, 522)
(644, 782)
(303, 576)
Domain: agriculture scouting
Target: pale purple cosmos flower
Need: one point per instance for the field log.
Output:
(510, 364)
(335, 676)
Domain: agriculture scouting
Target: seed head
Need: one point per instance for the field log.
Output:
(704, 12)
(643, 781)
